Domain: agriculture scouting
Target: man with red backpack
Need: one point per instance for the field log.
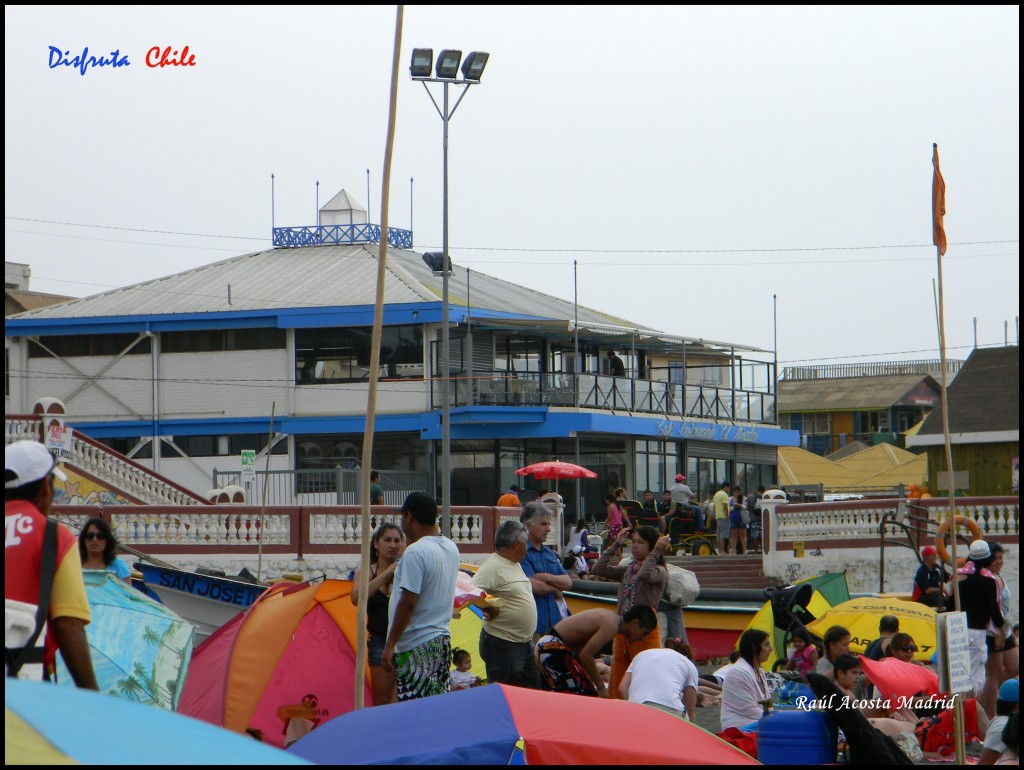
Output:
(42, 567)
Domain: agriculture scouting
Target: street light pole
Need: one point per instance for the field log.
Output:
(447, 69)
(446, 416)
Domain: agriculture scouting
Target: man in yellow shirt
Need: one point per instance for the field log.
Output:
(721, 503)
(506, 640)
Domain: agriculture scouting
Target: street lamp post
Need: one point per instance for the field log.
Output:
(447, 74)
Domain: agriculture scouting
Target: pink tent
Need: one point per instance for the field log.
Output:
(291, 655)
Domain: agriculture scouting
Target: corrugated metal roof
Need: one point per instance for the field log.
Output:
(338, 276)
(798, 466)
(984, 397)
(913, 471)
(877, 459)
(845, 394)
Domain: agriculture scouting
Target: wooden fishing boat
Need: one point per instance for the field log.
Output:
(713, 622)
(205, 601)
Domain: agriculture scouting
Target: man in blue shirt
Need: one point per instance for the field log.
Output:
(542, 566)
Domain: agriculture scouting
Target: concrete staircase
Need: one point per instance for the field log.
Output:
(112, 471)
(726, 571)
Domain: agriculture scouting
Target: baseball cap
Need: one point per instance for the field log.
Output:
(680, 477)
(980, 550)
(929, 550)
(1009, 691)
(26, 462)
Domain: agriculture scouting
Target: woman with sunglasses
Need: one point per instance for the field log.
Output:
(902, 647)
(97, 546)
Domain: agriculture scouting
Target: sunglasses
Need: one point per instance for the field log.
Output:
(95, 536)
(911, 648)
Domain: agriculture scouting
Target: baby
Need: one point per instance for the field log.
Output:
(461, 678)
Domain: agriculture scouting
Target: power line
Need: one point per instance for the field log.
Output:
(540, 250)
(135, 229)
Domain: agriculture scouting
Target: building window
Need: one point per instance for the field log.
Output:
(220, 446)
(343, 355)
(220, 340)
(87, 345)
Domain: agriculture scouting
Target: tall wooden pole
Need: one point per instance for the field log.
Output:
(371, 398)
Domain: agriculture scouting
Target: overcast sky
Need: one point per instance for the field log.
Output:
(695, 161)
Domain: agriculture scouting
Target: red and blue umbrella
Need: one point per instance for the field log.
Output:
(46, 724)
(500, 725)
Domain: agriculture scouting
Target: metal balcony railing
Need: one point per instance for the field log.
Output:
(331, 235)
(595, 391)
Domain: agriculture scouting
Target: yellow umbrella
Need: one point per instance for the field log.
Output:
(860, 617)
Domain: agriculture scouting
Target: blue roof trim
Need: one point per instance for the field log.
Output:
(284, 318)
(467, 423)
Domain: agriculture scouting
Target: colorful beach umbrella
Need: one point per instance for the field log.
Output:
(860, 617)
(805, 600)
(140, 649)
(483, 725)
(555, 469)
(44, 724)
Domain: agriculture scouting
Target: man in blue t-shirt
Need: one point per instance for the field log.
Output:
(419, 646)
(548, 577)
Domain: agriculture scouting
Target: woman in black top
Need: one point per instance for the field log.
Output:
(385, 550)
(979, 599)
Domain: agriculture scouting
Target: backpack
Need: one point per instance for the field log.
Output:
(682, 587)
(16, 657)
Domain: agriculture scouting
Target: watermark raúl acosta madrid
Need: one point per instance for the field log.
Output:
(845, 701)
(156, 57)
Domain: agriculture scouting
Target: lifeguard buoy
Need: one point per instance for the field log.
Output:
(940, 537)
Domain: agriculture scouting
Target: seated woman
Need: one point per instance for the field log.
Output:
(836, 642)
(901, 647)
(745, 691)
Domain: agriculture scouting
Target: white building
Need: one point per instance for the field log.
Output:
(183, 372)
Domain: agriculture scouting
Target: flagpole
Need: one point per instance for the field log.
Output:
(939, 239)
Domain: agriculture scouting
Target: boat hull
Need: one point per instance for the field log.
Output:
(205, 601)
(713, 627)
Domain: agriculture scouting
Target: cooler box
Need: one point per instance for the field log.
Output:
(796, 737)
(19, 623)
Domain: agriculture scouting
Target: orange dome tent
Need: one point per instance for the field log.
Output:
(290, 655)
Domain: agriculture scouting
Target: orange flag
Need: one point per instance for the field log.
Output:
(938, 203)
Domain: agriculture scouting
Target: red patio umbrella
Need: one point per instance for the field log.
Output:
(555, 469)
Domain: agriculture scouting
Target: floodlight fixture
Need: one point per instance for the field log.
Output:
(435, 261)
(422, 62)
(473, 66)
(448, 64)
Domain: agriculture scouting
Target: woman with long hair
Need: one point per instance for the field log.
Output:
(642, 582)
(1001, 664)
(836, 642)
(979, 599)
(617, 520)
(385, 550)
(98, 548)
(747, 686)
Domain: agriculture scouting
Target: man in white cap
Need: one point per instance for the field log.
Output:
(40, 554)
